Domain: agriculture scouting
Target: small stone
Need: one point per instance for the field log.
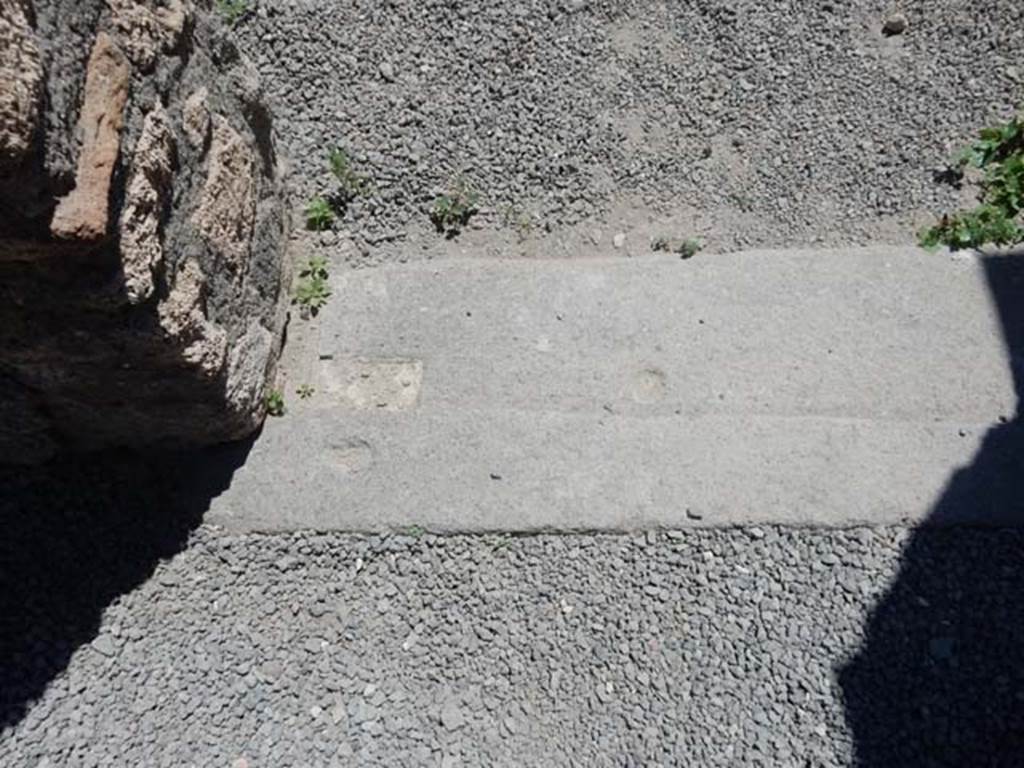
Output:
(272, 670)
(338, 713)
(286, 563)
(941, 648)
(451, 716)
(104, 645)
(619, 240)
(387, 71)
(896, 24)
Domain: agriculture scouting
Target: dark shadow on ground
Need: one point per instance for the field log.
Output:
(75, 535)
(939, 678)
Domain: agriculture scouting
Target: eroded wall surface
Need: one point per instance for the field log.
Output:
(142, 228)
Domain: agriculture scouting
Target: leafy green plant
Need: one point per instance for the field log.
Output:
(997, 220)
(233, 10)
(685, 248)
(275, 402)
(453, 210)
(312, 290)
(689, 248)
(352, 184)
(305, 391)
(319, 214)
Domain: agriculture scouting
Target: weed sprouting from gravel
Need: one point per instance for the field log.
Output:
(997, 220)
(321, 211)
(232, 10)
(453, 210)
(351, 184)
(305, 391)
(312, 290)
(275, 403)
(319, 214)
(687, 248)
(519, 220)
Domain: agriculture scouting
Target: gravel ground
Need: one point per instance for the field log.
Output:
(752, 123)
(713, 648)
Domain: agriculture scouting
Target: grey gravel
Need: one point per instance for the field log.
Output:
(753, 123)
(665, 648)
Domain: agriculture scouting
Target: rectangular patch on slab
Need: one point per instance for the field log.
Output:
(389, 384)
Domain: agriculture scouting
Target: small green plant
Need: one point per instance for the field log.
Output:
(275, 402)
(233, 10)
(686, 249)
(415, 532)
(312, 290)
(518, 220)
(689, 248)
(351, 184)
(305, 392)
(999, 155)
(319, 214)
(453, 210)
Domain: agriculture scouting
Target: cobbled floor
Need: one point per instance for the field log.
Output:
(752, 647)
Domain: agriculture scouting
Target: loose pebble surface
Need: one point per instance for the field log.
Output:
(759, 123)
(709, 648)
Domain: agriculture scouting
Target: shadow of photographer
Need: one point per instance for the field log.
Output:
(939, 677)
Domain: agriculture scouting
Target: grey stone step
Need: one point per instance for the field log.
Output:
(808, 387)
